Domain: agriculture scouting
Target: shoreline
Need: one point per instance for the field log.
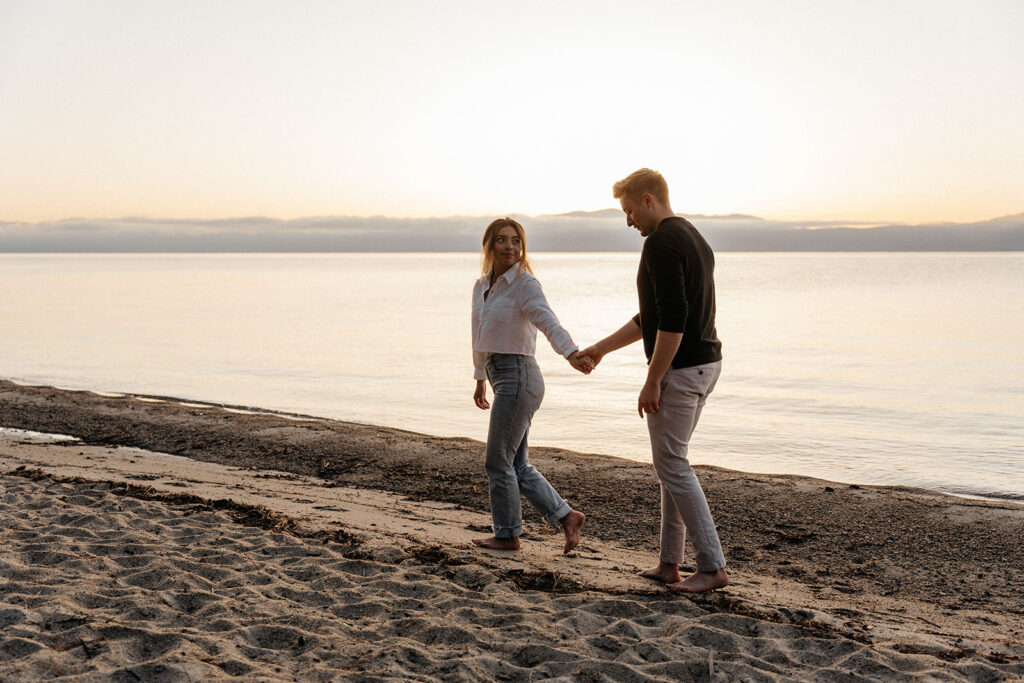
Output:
(258, 410)
(890, 568)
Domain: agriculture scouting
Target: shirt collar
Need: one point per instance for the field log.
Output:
(512, 273)
(509, 275)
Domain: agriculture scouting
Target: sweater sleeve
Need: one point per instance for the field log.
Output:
(535, 307)
(668, 284)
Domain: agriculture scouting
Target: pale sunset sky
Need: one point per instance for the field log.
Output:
(872, 110)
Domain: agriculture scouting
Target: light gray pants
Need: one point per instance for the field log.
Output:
(683, 505)
(518, 390)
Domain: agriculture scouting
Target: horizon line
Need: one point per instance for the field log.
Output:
(576, 213)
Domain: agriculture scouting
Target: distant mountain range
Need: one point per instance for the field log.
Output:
(603, 230)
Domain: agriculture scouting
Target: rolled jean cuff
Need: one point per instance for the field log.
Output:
(508, 531)
(555, 518)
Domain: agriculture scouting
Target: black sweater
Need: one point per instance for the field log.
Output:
(676, 285)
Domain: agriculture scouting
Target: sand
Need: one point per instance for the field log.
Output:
(208, 559)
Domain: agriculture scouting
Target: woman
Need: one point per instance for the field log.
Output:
(508, 309)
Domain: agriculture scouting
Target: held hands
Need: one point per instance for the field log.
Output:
(480, 395)
(581, 362)
(593, 353)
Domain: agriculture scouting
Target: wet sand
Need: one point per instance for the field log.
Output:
(173, 540)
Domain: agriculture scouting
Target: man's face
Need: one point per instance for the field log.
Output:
(639, 213)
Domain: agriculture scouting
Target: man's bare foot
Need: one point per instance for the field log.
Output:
(664, 572)
(572, 524)
(498, 543)
(698, 582)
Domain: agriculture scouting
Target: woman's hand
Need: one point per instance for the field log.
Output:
(581, 362)
(594, 354)
(480, 395)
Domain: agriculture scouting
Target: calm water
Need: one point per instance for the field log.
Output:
(862, 368)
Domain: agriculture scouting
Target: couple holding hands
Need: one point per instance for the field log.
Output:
(676, 322)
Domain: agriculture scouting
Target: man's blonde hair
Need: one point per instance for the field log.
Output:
(491, 234)
(640, 182)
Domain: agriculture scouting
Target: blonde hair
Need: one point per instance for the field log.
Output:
(491, 234)
(637, 183)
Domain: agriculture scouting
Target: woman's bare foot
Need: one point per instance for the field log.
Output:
(572, 525)
(698, 582)
(664, 572)
(498, 543)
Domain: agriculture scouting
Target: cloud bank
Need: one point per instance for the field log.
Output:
(575, 231)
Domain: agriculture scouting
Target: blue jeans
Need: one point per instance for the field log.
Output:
(518, 391)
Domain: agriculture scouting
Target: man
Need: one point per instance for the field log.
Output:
(676, 287)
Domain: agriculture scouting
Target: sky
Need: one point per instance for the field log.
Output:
(859, 111)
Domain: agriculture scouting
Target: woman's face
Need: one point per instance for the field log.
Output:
(508, 249)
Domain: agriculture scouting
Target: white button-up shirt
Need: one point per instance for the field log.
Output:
(507, 320)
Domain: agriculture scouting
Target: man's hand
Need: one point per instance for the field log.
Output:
(665, 346)
(593, 354)
(650, 398)
(480, 395)
(624, 336)
(581, 362)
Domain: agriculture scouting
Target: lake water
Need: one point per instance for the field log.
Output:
(874, 368)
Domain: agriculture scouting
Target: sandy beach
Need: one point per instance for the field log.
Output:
(168, 540)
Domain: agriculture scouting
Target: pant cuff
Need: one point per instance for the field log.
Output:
(508, 531)
(555, 518)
